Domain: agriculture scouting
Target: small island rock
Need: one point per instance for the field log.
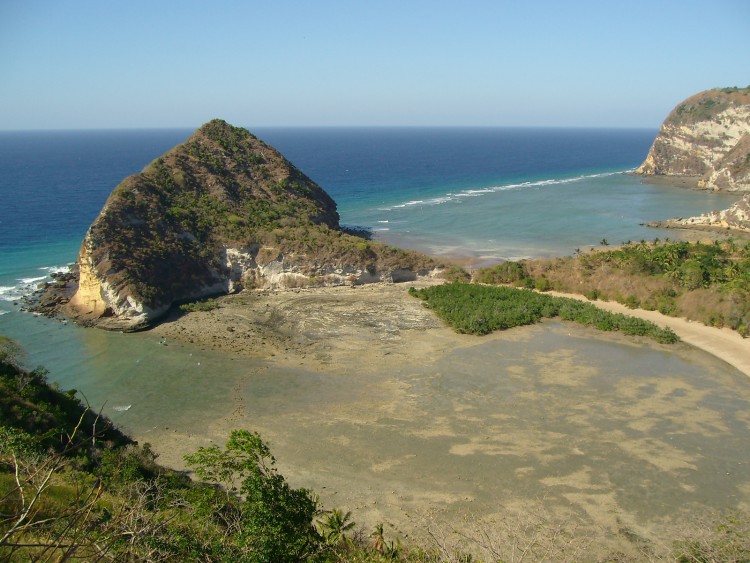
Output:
(219, 213)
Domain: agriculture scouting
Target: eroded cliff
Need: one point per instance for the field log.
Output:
(221, 212)
(706, 137)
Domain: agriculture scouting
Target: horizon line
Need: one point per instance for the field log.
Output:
(249, 128)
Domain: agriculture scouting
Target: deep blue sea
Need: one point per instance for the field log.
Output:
(489, 193)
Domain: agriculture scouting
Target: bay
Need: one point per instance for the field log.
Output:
(487, 194)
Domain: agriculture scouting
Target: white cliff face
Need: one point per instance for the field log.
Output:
(247, 271)
(97, 301)
(737, 217)
(714, 149)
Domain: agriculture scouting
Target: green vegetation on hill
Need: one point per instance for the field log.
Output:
(162, 233)
(704, 282)
(481, 309)
(74, 488)
(705, 105)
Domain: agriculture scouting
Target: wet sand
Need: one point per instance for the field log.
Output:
(724, 343)
(367, 399)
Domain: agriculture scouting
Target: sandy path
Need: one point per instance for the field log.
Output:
(723, 343)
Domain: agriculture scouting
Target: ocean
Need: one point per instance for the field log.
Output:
(485, 193)
(612, 428)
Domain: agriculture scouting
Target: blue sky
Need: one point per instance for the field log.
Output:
(105, 64)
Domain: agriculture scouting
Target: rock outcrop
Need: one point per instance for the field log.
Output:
(221, 212)
(737, 218)
(706, 137)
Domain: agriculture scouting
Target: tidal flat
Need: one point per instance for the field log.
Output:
(367, 399)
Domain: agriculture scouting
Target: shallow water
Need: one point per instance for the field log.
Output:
(609, 432)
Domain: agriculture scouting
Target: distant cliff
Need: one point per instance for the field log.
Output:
(221, 212)
(706, 137)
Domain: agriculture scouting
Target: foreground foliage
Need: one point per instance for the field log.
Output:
(73, 488)
(478, 309)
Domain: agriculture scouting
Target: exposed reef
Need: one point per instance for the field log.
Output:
(736, 218)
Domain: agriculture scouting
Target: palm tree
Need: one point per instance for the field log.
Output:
(335, 526)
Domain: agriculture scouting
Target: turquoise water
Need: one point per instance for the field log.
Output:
(544, 218)
(490, 193)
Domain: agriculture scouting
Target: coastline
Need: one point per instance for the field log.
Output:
(291, 326)
(361, 392)
(368, 376)
(723, 343)
(689, 182)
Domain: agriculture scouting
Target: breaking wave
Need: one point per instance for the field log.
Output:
(458, 196)
(27, 286)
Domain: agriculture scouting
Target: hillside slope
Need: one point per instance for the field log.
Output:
(221, 212)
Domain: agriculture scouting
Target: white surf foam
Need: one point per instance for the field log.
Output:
(478, 192)
(55, 269)
(32, 280)
(27, 286)
(8, 293)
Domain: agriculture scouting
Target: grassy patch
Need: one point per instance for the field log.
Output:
(709, 283)
(203, 305)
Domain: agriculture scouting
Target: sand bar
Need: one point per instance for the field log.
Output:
(302, 327)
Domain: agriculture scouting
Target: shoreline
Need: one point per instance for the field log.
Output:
(689, 182)
(367, 375)
(722, 343)
(275, 329)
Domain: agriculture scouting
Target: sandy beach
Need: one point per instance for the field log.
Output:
(724, 343)
(368, 399)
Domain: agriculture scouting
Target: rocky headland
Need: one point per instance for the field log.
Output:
(219, 213)
(705, 142)
(707, 138)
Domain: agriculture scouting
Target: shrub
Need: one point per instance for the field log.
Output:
(505, 272)
(478, 309)
(631, 302)
(277, 520)
(196, 306)
(592, 294)
(456, 274)
(542, 284)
